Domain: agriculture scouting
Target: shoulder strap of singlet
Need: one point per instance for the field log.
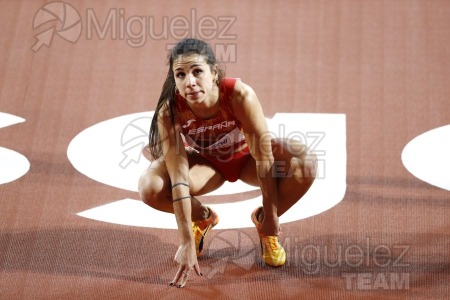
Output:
(226, 92)
(227, 86)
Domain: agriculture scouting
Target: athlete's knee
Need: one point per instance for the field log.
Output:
(151, 188)
(304, 168)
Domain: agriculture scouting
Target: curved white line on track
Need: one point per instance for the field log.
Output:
(13, 165)
(110, 152)
(427, 157)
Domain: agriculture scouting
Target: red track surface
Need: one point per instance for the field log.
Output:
(385, 64)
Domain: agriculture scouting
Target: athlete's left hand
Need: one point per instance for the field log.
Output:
(187, 258)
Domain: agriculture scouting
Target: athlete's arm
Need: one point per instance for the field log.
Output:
(177, 165)
(249, 112)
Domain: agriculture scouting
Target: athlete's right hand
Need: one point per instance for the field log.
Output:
(186, 257)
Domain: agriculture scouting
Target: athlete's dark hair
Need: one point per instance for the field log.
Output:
(185, 47)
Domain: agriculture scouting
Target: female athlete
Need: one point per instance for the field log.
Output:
(207, 129)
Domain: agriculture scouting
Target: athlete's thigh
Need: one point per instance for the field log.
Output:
(203, 178)
(283, 151)
(294, 161)
(248, 173)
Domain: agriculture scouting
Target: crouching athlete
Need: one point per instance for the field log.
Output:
(207, 129)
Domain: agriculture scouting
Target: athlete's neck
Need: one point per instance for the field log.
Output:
(208, 108)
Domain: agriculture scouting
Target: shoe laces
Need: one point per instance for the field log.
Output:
(271, 243)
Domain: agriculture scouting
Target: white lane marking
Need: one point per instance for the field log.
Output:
(98, 152)
(427, 157)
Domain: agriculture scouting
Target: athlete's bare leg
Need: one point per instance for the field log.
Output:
(295, 172)
(154, 185)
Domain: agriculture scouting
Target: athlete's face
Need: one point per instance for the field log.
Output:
(194, 78)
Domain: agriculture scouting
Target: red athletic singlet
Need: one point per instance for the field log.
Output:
(219, 139)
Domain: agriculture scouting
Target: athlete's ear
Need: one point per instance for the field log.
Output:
(215, 72)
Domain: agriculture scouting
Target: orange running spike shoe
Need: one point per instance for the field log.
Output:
(272, 252)
(201, 228)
